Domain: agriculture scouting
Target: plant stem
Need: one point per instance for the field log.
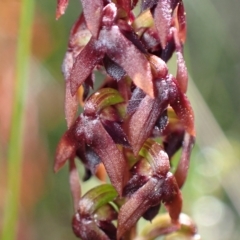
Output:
(15, 144)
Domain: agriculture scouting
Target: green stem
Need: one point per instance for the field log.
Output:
(15, 144)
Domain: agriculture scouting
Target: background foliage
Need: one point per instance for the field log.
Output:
(211, 194)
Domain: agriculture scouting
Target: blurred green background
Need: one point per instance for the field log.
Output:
(212, 192)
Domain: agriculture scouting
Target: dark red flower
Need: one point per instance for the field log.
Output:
(134, 123)
(89, 139)
(155, 184)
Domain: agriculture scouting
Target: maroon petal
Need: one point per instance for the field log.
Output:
(182, 107)
(141, 123)
(111, 113)
(182, 73)
(182, 26)
(92, 10)
(85, 63)
(68, 145)
(133, 103)
(159, 67)
(71, 105)
(112, 158)
(124, 88)
(141, 174)
(61, 7)
(138, 68)
(138, 204)
(183, 165)
(79, 37)
(115, 130)
(172, 197)
(66, 150)
(134, 184)
(129, 33)
(162, 20)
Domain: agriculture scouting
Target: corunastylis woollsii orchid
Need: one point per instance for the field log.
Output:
(133, 124)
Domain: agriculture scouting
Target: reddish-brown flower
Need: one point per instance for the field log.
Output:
(134, 122)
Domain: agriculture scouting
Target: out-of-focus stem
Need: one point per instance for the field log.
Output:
(9, 229)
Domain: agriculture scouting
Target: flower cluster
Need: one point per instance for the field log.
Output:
(134, 123)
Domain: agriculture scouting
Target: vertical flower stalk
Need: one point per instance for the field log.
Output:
(15, 144)
(132, 125)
